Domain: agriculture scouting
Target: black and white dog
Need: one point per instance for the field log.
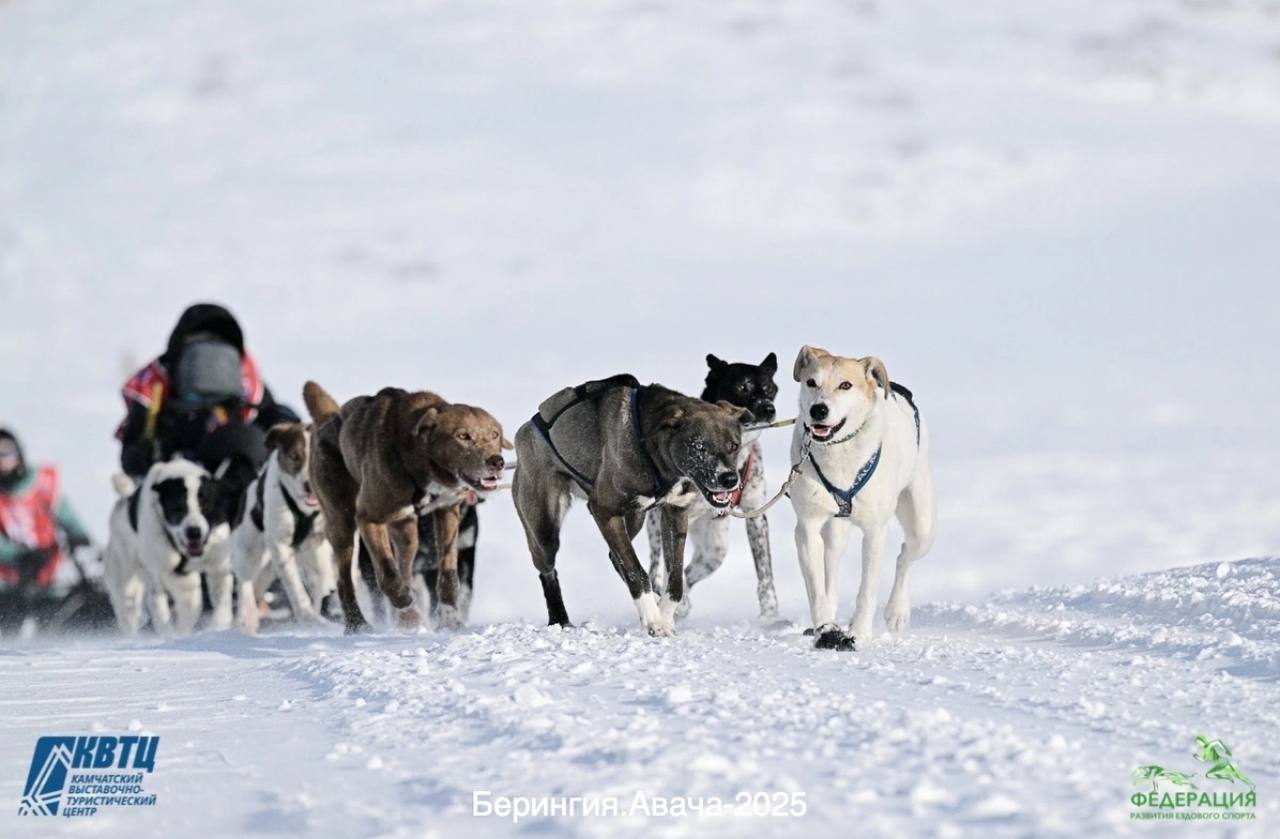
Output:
(163, 535)
(280, 534)
(426, 565)
(749, 386)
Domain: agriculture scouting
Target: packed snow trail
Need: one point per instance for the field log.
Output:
(1024, 714)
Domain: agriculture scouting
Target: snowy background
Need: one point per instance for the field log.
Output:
(1056, 222)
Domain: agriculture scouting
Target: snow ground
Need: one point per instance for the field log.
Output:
(1054, 221)
(1023, 715)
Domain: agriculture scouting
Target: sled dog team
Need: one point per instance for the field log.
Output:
(364, 480)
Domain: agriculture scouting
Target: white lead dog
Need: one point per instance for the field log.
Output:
(868, 461)
(164, 535)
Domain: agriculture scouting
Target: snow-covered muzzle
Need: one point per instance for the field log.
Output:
(714, 472)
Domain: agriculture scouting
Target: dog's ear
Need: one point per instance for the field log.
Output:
(770, 364)
(803, 358)
(715, 363)
(739, 413)
(672, 417)
(876, 373)
(507, 444)
(426, 421)
(277, 434)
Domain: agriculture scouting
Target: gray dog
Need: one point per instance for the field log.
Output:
(626, 448)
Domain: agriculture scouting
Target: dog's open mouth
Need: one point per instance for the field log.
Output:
(488, 483)
(718, 498)
(825, 432)
(195, 550)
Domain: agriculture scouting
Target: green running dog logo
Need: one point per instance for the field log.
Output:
(1218, 755)
(1155, 774)
(1213, 752)
(1175, 795)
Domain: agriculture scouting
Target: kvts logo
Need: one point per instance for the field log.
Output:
(74, 776)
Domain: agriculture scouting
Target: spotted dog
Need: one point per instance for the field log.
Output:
(163, 535)
(868, 462)
(749, 386)
(280, 534)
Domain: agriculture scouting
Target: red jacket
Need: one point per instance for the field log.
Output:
(149, 387)
(28, 519)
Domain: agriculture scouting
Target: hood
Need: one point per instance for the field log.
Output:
(17, 476)
(203, 317)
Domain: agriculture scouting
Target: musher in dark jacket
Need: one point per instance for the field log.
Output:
(203, 399)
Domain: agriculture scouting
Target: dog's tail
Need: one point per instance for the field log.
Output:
(123, 485)
(320, 404)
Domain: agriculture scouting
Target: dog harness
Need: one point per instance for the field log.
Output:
(544, 428)
(303, 523)
(844, 497)
(581, 394)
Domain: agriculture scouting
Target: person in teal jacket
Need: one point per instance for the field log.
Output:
(37, 523)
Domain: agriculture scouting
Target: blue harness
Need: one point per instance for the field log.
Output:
(844, 497)
(661, 487)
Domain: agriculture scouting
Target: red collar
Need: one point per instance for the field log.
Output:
(735, 497)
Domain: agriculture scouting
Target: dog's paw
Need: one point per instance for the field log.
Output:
(356, 627)
(448, 617)
(860, 626)
(409, 619)
(661, 629)
(401, 598)
(897, 616)
(682, 610)
(314, 622)
(831, 637)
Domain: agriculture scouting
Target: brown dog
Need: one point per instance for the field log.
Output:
(378, 459)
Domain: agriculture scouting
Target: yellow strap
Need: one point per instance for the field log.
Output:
(153, 410)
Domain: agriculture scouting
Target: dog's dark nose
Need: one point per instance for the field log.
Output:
(495, 462)
(727, 480)
(818, 411)
(764, 411)
(306, 487)
(193, 534)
